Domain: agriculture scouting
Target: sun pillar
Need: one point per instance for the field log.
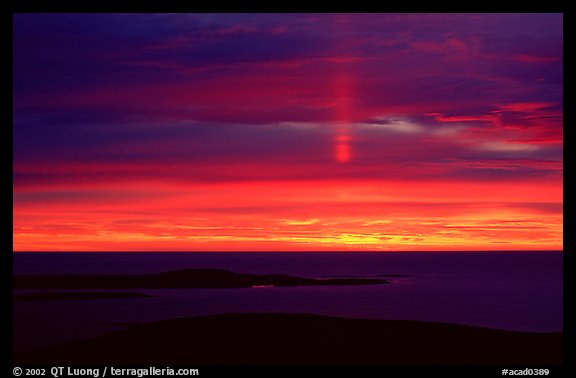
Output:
(342, 139)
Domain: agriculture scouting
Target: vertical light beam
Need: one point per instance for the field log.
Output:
(343, 152)
(342, 148)
(342, 93)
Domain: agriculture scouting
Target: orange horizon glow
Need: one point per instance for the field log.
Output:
(294, 216)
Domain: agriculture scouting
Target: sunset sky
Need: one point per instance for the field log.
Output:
(287, 132)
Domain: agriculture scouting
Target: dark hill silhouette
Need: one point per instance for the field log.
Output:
(258, 339)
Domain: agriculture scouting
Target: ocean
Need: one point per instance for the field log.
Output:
(506, 290)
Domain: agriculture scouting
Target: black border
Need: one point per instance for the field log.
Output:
(9, 7)
(569, 200)
(181, 6)
(6, 152)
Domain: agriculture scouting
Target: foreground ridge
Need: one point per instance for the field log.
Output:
(275, 339)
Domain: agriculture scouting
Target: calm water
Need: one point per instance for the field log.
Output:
(507, 290)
